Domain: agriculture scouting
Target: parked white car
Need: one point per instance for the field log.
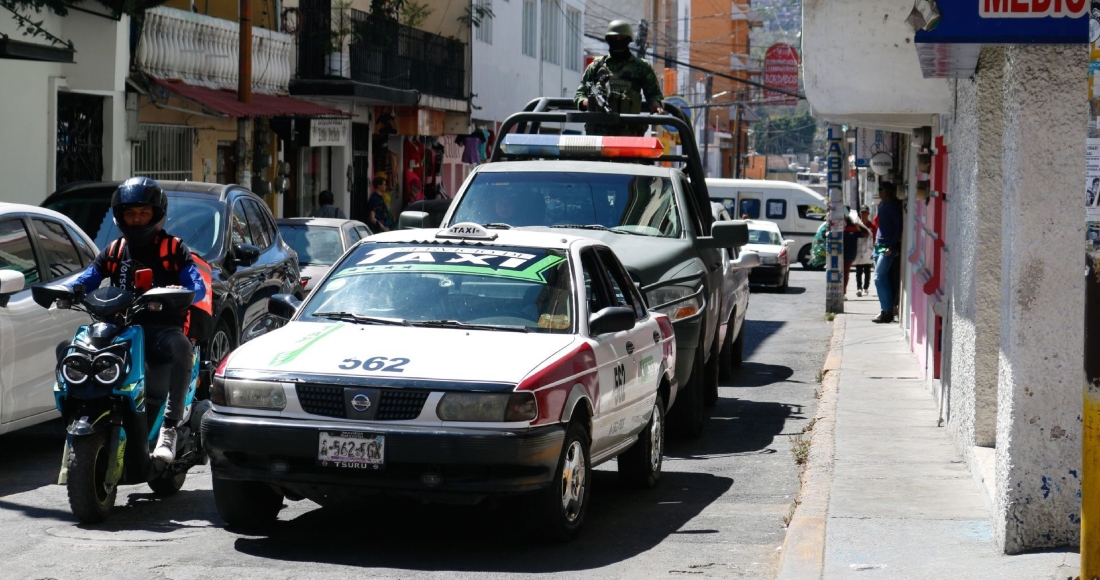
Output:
(737, 263)
(775, 255)
(37, 246)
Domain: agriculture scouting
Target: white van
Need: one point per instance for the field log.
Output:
(796, 209)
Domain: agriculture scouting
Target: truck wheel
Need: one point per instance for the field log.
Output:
(640, 466)
(167, 485)
(710, 395)
(90, 498)
(561, 508)
(688, 416)
(804, 257)
(246, 504)
(725, 356)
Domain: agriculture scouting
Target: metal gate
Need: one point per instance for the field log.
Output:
(165, 152)
(360, 187)
(79, 138)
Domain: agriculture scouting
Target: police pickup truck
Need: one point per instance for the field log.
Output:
(629, 194)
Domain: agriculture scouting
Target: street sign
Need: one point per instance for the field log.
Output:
(329, 132)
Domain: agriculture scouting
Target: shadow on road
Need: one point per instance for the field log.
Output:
(751, 374)
(31, 458)
(737, 427)
(387, 533)
(757, 331)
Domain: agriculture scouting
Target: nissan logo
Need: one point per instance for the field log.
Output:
(360, 402)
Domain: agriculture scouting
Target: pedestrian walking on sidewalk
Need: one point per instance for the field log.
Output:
(887, 248)
(326, 207)
(854, 232)
(865, 254)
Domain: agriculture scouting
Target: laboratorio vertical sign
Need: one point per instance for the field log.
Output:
(834, 246)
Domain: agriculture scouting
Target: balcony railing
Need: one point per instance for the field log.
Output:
(382, 52)
(202, 50)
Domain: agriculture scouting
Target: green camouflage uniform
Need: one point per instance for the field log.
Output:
(630, 78)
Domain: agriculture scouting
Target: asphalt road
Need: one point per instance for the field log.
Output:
(718, 511)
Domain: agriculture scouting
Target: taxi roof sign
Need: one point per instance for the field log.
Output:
(467, 231)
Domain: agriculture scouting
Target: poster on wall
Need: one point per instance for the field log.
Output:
(1092, 143)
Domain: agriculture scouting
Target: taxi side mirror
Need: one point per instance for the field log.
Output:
(611, 319)
(411, 220)
(283, 305)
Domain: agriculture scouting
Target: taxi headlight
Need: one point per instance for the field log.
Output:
(487, 407)
(676, 302)
(250, 394)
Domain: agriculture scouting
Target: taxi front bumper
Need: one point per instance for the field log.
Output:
(419, 460)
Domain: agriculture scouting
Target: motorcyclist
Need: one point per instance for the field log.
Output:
(626, 77)
(139, 207)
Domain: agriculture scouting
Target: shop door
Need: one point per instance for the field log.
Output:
(360, 145)
(79, 138)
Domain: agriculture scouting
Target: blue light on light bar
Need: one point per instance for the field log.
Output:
(521, 144)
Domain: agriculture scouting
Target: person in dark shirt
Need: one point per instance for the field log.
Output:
(378, 215)
(887, 247)
(139, 207)
(326, 208)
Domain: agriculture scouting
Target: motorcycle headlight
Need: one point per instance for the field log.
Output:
(487, 407)
(251, 394)
(676, 302)
(108, 368)
(74, 369)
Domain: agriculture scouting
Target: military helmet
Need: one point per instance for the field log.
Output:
(619, 28)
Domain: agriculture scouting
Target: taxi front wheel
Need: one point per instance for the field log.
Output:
(246, 504)
(560, 509)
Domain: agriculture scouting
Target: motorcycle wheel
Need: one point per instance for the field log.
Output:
(89, 497)
(165, 485)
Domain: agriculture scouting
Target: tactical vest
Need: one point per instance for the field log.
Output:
(624, 90)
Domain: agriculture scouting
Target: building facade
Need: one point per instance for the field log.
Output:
(989, 167)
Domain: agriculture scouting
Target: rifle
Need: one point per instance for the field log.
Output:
(600, 91)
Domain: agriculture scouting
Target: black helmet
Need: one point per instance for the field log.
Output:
(619, 28)
(138, 191)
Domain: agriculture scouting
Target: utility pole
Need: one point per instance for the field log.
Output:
(244, 95)
(707, 95)
(1090, 413)
(834, 247)
(737, 125)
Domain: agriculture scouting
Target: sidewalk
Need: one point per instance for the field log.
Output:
(885, 493)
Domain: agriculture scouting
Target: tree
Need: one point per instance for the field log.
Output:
(786, 134)
(21, 9)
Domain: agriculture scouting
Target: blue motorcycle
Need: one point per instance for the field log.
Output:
(112, 399)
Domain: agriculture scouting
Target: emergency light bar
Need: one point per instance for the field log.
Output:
(581, 145)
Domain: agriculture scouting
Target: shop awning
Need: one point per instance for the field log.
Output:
(224, 101)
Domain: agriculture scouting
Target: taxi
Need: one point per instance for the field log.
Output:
(447, 365)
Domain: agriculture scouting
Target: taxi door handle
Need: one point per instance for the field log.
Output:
(629, 347)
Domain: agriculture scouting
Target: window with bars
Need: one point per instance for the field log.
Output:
(551, 31)
(165, 153)
(530, 28)
(573, 33)
(485, 26)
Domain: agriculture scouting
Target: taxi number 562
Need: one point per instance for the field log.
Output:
(376, 363)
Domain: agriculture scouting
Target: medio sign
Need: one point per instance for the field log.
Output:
(1032, 8)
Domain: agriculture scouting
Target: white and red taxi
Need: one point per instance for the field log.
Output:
(451, 365)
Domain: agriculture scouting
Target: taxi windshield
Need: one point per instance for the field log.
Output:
(634, 204)
(526, 289)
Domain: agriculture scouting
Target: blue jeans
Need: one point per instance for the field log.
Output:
(884, 284)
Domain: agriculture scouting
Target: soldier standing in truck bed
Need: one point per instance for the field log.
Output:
(614, 84)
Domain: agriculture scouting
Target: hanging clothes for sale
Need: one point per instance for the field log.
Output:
(489, 144)
(481, 153)
(414, 157)
(470, 145)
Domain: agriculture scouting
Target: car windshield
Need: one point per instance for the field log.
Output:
(764, 237)
(315, 245)
(628, 203)
(195, 220)
(526, 289)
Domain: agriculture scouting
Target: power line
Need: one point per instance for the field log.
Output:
(719, 74)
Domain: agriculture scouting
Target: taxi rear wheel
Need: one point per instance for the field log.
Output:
(560, 510)
(640, 466)
(246, 504)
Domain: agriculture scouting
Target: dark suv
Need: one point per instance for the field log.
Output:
(226, 225)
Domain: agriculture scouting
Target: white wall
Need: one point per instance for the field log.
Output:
(873, 79)
(27, 102)
(505, 79)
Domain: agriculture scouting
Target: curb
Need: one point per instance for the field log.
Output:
(803, 553)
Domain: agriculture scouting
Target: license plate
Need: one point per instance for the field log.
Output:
(350, 449)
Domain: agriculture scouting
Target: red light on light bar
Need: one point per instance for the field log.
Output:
(648, 147)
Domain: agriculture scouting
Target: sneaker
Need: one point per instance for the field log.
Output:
(166, 447)
(859, 293)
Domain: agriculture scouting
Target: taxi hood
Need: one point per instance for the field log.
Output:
(446, 354)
